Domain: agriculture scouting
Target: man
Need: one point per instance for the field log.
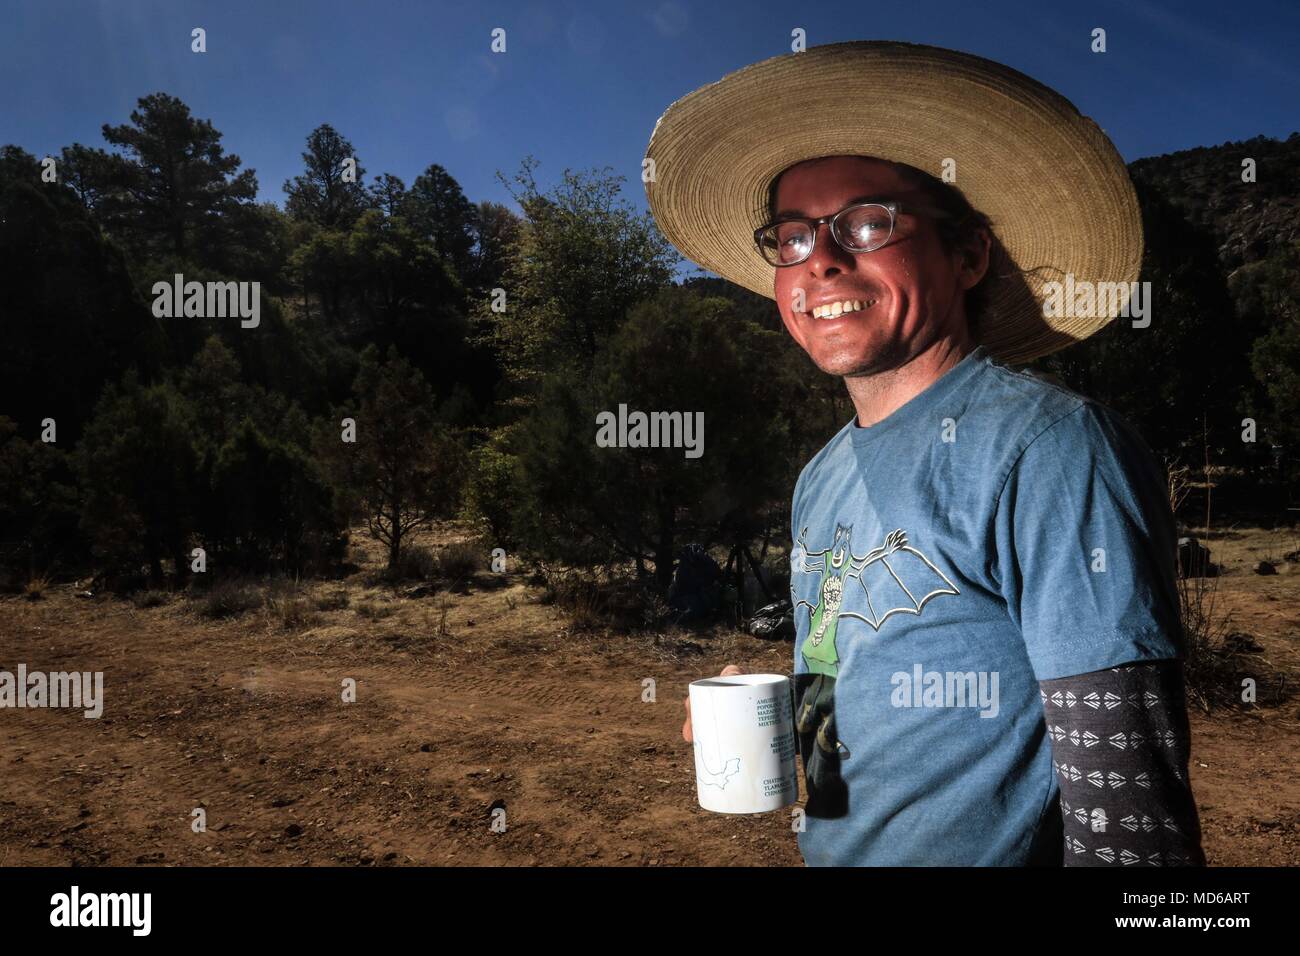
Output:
(988, 660)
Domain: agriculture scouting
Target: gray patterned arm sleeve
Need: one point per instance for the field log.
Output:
(1120, 746)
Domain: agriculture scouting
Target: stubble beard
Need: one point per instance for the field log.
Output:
(891, 356)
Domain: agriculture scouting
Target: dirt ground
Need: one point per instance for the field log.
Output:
(510, 708)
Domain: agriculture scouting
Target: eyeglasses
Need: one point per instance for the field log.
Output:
(859, 227)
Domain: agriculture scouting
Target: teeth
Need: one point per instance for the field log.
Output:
(840, 308)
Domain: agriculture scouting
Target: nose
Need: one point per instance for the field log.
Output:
(828, 257)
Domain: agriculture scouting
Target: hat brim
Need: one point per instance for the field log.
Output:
(1056, 190)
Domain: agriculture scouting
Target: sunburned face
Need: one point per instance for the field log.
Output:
(903, 296)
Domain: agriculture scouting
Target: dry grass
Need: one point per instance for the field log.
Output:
(228, 598)
(1215, 661)
(283, 602)
(600, 600)
(150, 598)
(293, 613)
(288, 605)
(36, 587)
(335, 599)
(373, 610)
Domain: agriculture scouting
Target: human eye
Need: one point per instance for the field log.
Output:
(864, 226)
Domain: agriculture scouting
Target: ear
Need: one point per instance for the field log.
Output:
(973, 259)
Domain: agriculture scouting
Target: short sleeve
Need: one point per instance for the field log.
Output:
(1086, 548)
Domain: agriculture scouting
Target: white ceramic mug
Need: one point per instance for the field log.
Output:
(743, 728)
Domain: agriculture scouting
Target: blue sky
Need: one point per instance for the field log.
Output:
(582, 83)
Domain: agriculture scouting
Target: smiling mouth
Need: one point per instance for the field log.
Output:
(834, 310)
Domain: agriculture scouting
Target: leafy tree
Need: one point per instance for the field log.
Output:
(217, 397)
(407, 297)
(260, 496)
(677, 352)
(71, 317)
(38, 503)
(253, 244)
(384, 284)
(825, 406)
(1268, 295)
(403, 470)
(496, 235)
(395, 271)
(138, 471)
(584, 258)
(1187, 364)
(319, 264)
(274, 503)
(491, 491)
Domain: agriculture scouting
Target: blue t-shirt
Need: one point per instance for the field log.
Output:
(995, 531)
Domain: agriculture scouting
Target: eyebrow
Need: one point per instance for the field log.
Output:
(852, 202)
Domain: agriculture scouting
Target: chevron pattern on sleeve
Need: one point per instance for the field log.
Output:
(1120, 747)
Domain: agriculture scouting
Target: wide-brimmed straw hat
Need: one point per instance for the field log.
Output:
(1057, 192)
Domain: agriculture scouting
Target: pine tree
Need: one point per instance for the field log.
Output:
(330, 191)
(176, 180)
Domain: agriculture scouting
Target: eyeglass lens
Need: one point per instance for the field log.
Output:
(859, 229)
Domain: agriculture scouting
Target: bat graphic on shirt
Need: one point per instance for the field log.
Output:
(892, 579)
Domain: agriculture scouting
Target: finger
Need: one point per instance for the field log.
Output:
(686, 732)
(730, 671)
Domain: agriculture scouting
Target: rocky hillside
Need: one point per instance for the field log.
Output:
(1250, 221)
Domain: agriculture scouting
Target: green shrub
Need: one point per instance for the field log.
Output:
(459, 561)
(416, 563)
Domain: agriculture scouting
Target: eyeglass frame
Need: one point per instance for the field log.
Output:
(892, 206)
